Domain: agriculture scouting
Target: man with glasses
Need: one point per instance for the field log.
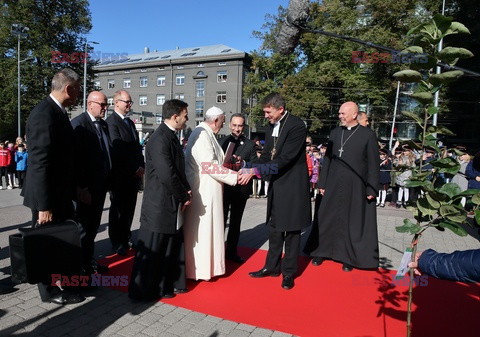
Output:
(127, 170)
(92, 172)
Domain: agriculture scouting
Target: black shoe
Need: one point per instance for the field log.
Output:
(398, 205)
(316, 261)
(168, 295)
(235, 258)
(264, 272)
(346, 267)
(99, 268)
(121, 251)
(74, 298)
(180, 291)
(287, 282)
(58, 299)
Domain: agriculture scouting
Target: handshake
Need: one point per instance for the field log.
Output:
(244, 175)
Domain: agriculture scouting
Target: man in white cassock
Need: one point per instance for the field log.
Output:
(204, 223)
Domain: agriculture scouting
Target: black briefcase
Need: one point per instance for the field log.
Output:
(37, 253)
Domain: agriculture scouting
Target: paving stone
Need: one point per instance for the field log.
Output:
(155, 329)
(179, 328)
(131, 329)
(194, 317)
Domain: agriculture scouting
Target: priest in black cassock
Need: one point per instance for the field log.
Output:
(349, 183)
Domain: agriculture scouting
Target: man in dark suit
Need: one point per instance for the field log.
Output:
(159, 265)
(49, 185)
(235, 197)
(288, 207)
(92, 168)
(127, 171)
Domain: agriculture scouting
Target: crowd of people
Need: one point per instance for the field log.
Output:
(192, 192)
(13, 163)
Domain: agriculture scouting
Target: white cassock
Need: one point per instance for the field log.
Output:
(204, 228)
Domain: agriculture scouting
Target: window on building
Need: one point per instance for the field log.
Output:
(111, 84)
(161, 80)
(160, 99)
(199, 107)
(96, 84)
(221, 97)
(222, 76)
(142, 100)
(143, 70)
(127, 71)
(200, 88)
(180, 79)
(127, 83)
(222, 63)
(180, 96)
(200, 65)
(110, 101)
(179, 67)
(143, 82)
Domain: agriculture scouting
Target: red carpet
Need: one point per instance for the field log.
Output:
(329, 302)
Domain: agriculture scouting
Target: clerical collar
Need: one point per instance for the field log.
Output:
(121, 116)
(351, 127)
(93, 119)
(276, 127)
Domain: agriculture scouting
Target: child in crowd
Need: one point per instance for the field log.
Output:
(21, 158)
(385, 179)
(4, 162)
(403, 165)
(12, 167)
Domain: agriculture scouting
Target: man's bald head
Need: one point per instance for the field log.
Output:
(348, 113)
(97, 104)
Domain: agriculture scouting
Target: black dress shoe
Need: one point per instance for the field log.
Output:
(264, 272)
(168, 295)
(287, 282)
(346, 267)
(73, 298)
(235, 258)
(99, 268)
(58, 299)
(121, 251)
(180, 291)
(316, 261)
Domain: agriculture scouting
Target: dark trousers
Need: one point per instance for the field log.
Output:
(89, 217)
(276, 240)
(159, 265)
(21, 178)
(3, 172)
(233, 201)
(123, 198)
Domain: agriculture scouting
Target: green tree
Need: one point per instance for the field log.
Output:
(53, 25)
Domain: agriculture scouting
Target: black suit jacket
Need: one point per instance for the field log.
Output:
(289, 188)
(49, 182)
(90, 171)
(126, 152)
(165, 182)
(245, 148)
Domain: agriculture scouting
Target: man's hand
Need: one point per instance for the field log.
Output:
(370, 197)
(44, 217)
(188, 202)
(322, 191)
(140, 172)
(414, 264)
(244, 176)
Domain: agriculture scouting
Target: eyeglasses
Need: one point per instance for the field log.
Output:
(102, 105)
(128, 102)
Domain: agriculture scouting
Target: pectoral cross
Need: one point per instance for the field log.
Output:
(274, 151)
(340, 151)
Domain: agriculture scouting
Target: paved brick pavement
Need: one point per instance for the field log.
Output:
(110, 313)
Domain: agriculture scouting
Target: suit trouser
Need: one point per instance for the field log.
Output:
(89, 217)
(276, 240)
(234, 201)
(123, 198)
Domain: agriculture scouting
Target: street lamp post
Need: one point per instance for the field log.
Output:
(85, 59)
(20, 31)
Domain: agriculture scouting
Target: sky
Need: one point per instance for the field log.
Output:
(127, 26)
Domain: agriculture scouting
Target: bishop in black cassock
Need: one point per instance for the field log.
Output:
(349, 180)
